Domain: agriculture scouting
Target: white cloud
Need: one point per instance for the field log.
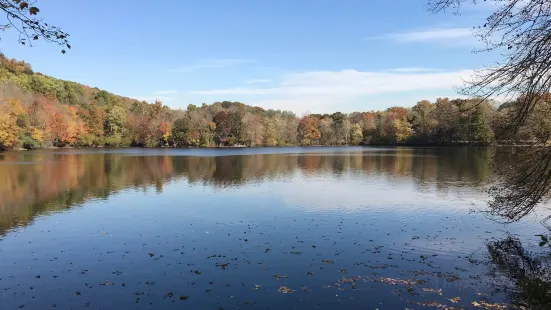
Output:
(256, 81)
(443, 36)
(431, 35)
(212, 63)
(166, 92)
(322, 91)
(406, 70)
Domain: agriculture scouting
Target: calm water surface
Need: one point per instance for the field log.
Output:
(270, 228)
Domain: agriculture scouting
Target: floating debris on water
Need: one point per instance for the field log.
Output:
(455, 299)
(285, 276)
(439, 291)
(285, 290)
(393, 281)
(485, 305)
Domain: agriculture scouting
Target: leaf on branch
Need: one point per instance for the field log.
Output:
(34, 10)
(23, 5)
(63, 52)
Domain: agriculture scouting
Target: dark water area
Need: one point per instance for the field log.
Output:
(269, 228)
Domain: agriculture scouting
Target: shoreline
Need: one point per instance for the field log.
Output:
(259, 147)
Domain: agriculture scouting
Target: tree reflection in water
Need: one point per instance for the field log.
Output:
(525, 277)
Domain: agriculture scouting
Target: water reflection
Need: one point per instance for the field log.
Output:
(314, 228)
(35, 182)
(524, 276)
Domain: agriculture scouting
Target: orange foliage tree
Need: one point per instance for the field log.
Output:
(308, 129)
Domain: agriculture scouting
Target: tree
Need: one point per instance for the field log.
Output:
(179, 130)
(402, 130)
(480, 124)
(339, 129)
(423, 120)
(356, 135)
(166, 131)
(22, 16)
(10, 112)
(327, 131)
(447, 117)
(237, 131)
(308, 130)
(223, 127)
(115, 124)
(96, 120)
(519, 29)
(270, 131)
(9, 132)
(254, 129)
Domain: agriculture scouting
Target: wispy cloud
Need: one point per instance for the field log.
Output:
(322, 91)
(166, 92)
(257, 81)
(406, 70)
(446, 36)
(212, 63)
(431, 35)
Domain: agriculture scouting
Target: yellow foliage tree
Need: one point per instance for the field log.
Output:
(37, 135)
(10, 110)
(402, 130)
(9, 131)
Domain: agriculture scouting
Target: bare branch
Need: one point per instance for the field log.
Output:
(521, 31)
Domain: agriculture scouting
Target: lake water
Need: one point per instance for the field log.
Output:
(269, 228)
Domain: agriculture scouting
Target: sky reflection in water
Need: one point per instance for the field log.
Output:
(312, 228)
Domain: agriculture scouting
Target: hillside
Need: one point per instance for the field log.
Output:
(39, 111)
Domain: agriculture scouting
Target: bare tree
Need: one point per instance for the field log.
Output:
(22, 16)
(521, 31)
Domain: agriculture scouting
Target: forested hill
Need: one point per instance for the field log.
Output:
(39, 111)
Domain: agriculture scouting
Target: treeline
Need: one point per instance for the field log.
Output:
(38, 111)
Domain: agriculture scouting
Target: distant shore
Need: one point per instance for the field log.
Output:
(275, 146)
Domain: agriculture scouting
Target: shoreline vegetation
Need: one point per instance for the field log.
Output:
(42, 112)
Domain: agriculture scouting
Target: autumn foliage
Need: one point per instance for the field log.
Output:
(39, 111)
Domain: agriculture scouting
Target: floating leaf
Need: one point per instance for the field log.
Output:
(483, 304)
(455, 299)
(285, 290)
(439, 292)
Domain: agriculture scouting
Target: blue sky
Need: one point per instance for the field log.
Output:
(300, 55)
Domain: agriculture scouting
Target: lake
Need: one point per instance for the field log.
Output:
(267, 228)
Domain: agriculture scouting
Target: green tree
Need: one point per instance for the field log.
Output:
(424, 120)
(115, 123)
